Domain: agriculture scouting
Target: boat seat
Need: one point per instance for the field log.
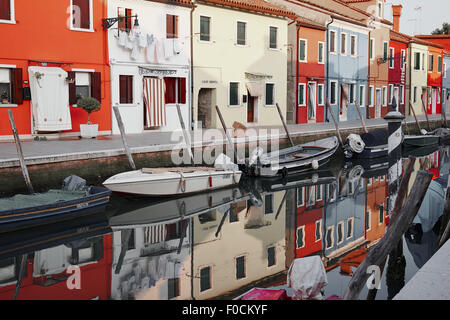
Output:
(300, 155)
(179, 170)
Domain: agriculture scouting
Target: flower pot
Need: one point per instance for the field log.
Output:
(89, 131)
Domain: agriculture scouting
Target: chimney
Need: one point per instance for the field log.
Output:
(397, 13)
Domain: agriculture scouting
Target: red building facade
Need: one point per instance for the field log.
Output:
(398, 49)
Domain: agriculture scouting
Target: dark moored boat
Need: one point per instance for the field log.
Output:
(420, 140)
(308, 156)
(375, 145)
(24, 210)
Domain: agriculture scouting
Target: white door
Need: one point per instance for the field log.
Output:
(397, 96)
(343, 102)
(434, 97)
(378, 103)
(312, 102)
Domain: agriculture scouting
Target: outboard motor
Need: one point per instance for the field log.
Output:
(353, 144)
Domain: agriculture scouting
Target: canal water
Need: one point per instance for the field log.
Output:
(220, 245)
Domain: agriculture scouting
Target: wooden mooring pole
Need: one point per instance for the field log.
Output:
(124, 138)
(378, 253)
(224, 126)
(20, 153)
(415, 117)
(284, 125)
(335, 122)
(426, 114)
(361, 117)
(185, 134)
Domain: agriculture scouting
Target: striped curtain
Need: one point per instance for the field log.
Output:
(154, 234)
(155, 106)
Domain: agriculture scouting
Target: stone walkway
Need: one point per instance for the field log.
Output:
(39, 152)
(432, 281)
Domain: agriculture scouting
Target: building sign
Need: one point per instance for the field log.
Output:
(156, 72)
(257, 76)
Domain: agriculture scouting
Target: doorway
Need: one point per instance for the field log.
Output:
(206, 102)
(312, 102)
(434, 101)
(378, 103)
(343, 102)
(252, 108)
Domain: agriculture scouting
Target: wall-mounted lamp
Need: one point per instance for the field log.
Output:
(109, 22)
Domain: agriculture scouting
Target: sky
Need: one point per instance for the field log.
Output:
(412, 22)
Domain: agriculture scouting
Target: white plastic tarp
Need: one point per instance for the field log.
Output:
(307, 277)
(50, 99)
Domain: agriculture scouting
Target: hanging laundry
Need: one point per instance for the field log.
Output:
(160, 51)
(135, 51)
(143, 40)
(130, 41)
(176, 46)
(123, 38)
(151, 52)
(168, 48)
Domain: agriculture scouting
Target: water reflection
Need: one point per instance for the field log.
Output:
(223, 243)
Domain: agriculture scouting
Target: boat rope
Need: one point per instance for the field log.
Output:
(182, 183)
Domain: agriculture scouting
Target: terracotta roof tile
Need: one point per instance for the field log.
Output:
(309, 23)
(399, 37)
(255, 5)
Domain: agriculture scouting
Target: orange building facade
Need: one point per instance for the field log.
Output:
(56, 54)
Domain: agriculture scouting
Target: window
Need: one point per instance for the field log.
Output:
(430, 62)
(320, 95)
(124, 24)
(173, 287)
(126, 89)
(402, 94)
(7, 10)
(300, 197)
(353, 46)
(81, 14)
(343, 43)
(333, 96)
(131, 240)
(300, 243)
(402, 59)
(82, 85)
(235, 209)
(349, 227)
(438, 95)
(271, 256)
(273, 37)
(175, 90)
(329, 237)
(439, 64)
(362, 97)
(415, 95)
(370, 96)
(331, 192)
(240, 267)
(302, 94)
(270, 94)
(380, 10)
(372, 48)
(319, 192)
(385, 51)
(241, 36)
(321, 53)
(391, 57)
(205, 28)
(205, 278)
(310, 196)
(367, 220)
(352, 97)
(5, 85)
(340, 232)
(171, 26)
(268, 204)
(391, 93)
(417, 61)
(234, 94)
(332, 41)
(318, 233)
(423, 61)
(302, 47)
(381, 214)
(384, 96)
(445, 71)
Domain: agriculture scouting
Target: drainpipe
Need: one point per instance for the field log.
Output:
(327, 78)
(368, 84)
(296, 74)
(192, 68)
(410, 68)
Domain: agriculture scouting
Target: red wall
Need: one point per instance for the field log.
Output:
(42, 33)
(95, 282)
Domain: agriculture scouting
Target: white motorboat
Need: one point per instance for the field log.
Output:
(172, 181)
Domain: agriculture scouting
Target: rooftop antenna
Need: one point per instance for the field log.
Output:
(419, 10)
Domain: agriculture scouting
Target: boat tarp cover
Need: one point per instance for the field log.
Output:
(375, 138)
(21, 201)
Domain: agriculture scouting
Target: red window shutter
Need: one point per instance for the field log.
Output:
(182, 90)
(130, 89)
(126, 89)
(5, 9)
(175, 26)
(16, 86)
(85, 13)
(96, 85)
(169, 26)
(72, 88)
(170, 95)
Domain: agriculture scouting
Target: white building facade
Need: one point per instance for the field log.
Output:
(150, 64)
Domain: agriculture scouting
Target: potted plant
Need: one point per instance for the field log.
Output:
(89, 105)
(4, 97)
